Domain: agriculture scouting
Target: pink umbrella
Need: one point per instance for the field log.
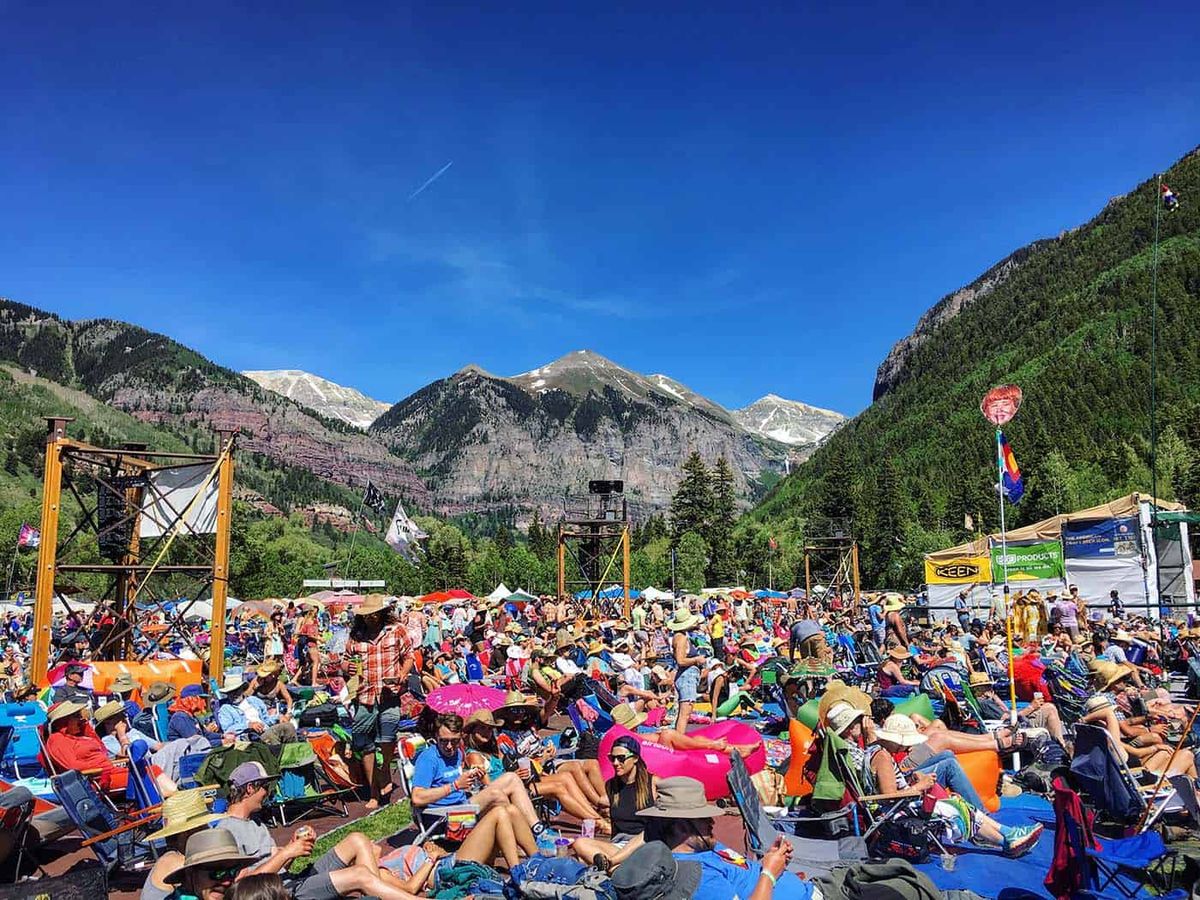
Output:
(57, 677)
(464, 699)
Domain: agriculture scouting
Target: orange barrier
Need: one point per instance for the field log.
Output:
(800, 736)
(983, 768)
(177, 672)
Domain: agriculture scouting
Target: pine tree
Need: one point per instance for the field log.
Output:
(504, 540)
(691, 561)
(722, 565)
(692, 504)
(10, 462)
(542, 540)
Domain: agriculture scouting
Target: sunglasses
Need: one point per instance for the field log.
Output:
(450, 742)
(223, 873)
(619, 758)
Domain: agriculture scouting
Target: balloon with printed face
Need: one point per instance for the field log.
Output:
(1000, 404)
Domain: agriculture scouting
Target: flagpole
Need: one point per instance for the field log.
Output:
(354, 533)
(1012, 684)
(1162, 625)
(11, 568)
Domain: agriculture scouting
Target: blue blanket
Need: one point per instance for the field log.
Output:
(990, 874)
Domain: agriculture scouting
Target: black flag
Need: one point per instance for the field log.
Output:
(373, 499)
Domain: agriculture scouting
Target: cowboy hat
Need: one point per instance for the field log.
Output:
(372, 603)
(979, 679)
(159, 692)
(842, 715)
(899, 653)
(1105, 674)
(839, 692)
(683, 620)
(517, 700)
(564, 642)
(680, 797)
(64, 709)
(211, 847)
(269, 667)
(595, 647)
(626, 716)
(481, 717)
(184, 811)
(900, 729)
(109, 710)
(232, 683)
(123, 684)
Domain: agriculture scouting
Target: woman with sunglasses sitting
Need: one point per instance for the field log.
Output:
(483, 753)
(631, 788)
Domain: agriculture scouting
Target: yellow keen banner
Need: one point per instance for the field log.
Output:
(963, 570)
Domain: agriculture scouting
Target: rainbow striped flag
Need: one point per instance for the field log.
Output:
(1010, 473)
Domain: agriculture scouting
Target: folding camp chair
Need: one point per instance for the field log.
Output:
(21, 756)
(873, 810)
(812, 856)
(1096, 864)
(1110, 785)
(118, 843)
(16, 816)
(302, 789)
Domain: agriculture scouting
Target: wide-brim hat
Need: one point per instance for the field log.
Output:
(626, 716)
(212, 846)
(653, 871)
(517, 700)
(159, 692)
(1105, 674)
(123, 684)
(231, 683)
(481, 717)
(63, 709)
(513, 627)
(516, 651)
(683, 619)
(842, 715)
(1121, 635)
(372, 603)
(564, 642)
(839, 692)
(595, 647)
(622, 660)
(109, 710)
(680, 797)
(268, 668)
(900, 729)
(184, 811)
(899, 653)
(979, 679)
(893, 603)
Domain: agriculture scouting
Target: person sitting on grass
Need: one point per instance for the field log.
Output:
(351, 866)
(483, 753)
(441, 777)
(631, 788)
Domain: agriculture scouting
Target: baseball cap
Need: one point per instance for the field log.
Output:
(248, 773)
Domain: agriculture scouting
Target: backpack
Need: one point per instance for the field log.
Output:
(905, 836)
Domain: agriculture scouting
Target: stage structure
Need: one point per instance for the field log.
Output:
(831, 559)
(160, 522)
(592, 535)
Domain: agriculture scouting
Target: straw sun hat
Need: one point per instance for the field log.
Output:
(626, 716)
(900, 729)
(683, 619)
(63, 710)
(182, 812)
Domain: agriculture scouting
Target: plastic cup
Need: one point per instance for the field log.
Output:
(525, 767)
(562, 847)
(588, 828)
(947, 860)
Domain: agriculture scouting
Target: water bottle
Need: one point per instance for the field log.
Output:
(545, 844)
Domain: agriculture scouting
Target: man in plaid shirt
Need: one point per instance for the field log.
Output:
(385, 658)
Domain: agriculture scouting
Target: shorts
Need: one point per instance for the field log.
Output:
(687, 684)
(374, 725)
(314, 883)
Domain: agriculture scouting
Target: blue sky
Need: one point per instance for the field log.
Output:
(749, 201)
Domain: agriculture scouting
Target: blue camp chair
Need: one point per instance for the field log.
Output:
(119, 843)
(20, 757)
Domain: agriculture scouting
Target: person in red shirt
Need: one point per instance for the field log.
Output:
(74, 744)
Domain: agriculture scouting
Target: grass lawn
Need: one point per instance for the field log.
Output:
(380, 824)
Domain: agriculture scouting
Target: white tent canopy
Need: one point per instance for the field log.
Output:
(500, 593)
(653, 594)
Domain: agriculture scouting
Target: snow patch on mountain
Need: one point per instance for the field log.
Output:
(334, 401)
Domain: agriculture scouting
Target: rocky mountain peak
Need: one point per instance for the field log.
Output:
(788, 421)
(332, 400)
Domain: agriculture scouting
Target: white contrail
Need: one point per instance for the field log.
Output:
(432, 178)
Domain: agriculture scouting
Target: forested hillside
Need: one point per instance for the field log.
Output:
(1070, 324)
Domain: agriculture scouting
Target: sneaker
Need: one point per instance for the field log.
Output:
(1021, 839)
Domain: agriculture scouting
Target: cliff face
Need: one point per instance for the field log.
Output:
(160, 381)
(484, 441)
(894, 367)
(331, 400)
